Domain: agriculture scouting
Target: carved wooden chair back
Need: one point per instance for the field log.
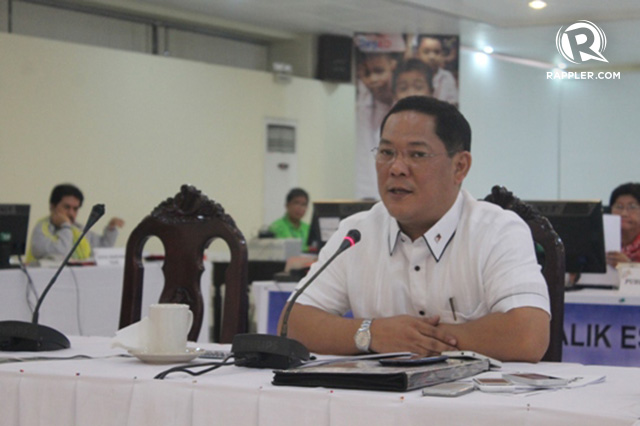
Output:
(550, 253)
(186, 224)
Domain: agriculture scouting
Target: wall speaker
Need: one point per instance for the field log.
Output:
(334, 58)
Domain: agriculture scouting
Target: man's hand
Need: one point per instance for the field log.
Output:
(406, 333)
(115, 222)
(59, 217)
(615, 257)
(325, 333)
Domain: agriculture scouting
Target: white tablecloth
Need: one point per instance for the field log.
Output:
(119, 391)
(86, 300)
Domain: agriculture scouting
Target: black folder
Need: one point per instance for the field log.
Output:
(369, 374)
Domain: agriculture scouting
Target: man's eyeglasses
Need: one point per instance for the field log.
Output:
(411, 157)
(631, 208)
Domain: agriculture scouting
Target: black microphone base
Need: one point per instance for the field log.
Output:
(268, 351)
(20, 336)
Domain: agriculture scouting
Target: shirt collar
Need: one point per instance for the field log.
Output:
(439, 236)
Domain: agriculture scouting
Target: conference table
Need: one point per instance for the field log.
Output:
(114, 389)
(85, 300)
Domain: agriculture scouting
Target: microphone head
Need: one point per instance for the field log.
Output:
(352, 237)
(96, 213)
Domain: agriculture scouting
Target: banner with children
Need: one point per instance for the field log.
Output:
(391, 67)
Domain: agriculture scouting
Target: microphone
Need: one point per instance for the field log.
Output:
(31, 336)
(280, 352)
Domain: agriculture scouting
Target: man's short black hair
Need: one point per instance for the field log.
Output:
(295, 193)
(451, 126)
(63, 190)
(631, 188)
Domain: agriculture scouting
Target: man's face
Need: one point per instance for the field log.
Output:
(430, 52)
(626, 206)
(418, 195)
(376, 73)
(297, 207)
(68, 206)
(412, 83)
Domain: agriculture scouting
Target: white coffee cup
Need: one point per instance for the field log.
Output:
(169, 324)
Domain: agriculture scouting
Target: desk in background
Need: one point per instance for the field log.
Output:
(119, 391)
(85, 300)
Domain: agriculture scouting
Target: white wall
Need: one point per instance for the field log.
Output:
(549, 139)
(130, 128)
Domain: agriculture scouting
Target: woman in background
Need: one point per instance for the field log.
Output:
(625, 202)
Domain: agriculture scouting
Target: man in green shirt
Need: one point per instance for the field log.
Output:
(291, 224)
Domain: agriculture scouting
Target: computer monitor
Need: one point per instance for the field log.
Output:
(579, 225)
(326, 217)
(14, 225)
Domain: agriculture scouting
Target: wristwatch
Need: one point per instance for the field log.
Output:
(363, 336)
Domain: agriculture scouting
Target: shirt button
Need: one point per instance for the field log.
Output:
(421, 313)
(417, 268)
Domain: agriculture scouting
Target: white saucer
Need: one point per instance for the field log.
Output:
(169, 358)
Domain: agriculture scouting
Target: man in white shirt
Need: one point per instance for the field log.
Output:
(435, 269)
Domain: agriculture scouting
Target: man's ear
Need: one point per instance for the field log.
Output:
(462, 164)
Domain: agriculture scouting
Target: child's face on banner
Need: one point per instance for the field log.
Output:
(376, 73)
(430, 52)
(411, 83)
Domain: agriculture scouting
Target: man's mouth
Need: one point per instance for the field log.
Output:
(399, 191)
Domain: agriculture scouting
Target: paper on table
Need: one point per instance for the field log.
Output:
(134, 337)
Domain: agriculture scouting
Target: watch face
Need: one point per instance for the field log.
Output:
(362, 340)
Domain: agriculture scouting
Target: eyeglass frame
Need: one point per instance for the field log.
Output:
(376, 150)
(633, 207)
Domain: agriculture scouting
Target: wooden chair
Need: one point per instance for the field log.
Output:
(550, 252)
(186, 224)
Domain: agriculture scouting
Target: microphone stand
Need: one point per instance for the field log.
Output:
(31, 336)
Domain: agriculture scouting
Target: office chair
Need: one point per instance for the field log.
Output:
(186, 224)
(550, 253)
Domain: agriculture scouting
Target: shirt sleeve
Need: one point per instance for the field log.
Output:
(512, 274)
(57, 244)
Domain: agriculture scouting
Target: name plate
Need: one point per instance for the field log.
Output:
(113, 256)
(629, 277)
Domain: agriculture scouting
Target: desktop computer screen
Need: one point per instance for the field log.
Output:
(580, 227)
(326, 217)
(14, 226)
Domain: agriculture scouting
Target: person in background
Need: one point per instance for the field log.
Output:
(431, 52)
(412, 78)
(291, 224)
(54, 235)
(625, 202)
(436, 269)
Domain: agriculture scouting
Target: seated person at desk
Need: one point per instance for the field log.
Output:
(436, 269)
(625, 202)
(291, 224)
(53, 236)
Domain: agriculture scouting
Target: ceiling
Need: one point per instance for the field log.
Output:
(509, 26)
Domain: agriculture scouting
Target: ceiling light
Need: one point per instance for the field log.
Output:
(537, 4)
(488, 50)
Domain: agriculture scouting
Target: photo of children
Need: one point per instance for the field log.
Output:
(390, 67)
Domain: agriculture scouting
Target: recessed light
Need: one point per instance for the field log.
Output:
(537, 4)
(488, 50)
